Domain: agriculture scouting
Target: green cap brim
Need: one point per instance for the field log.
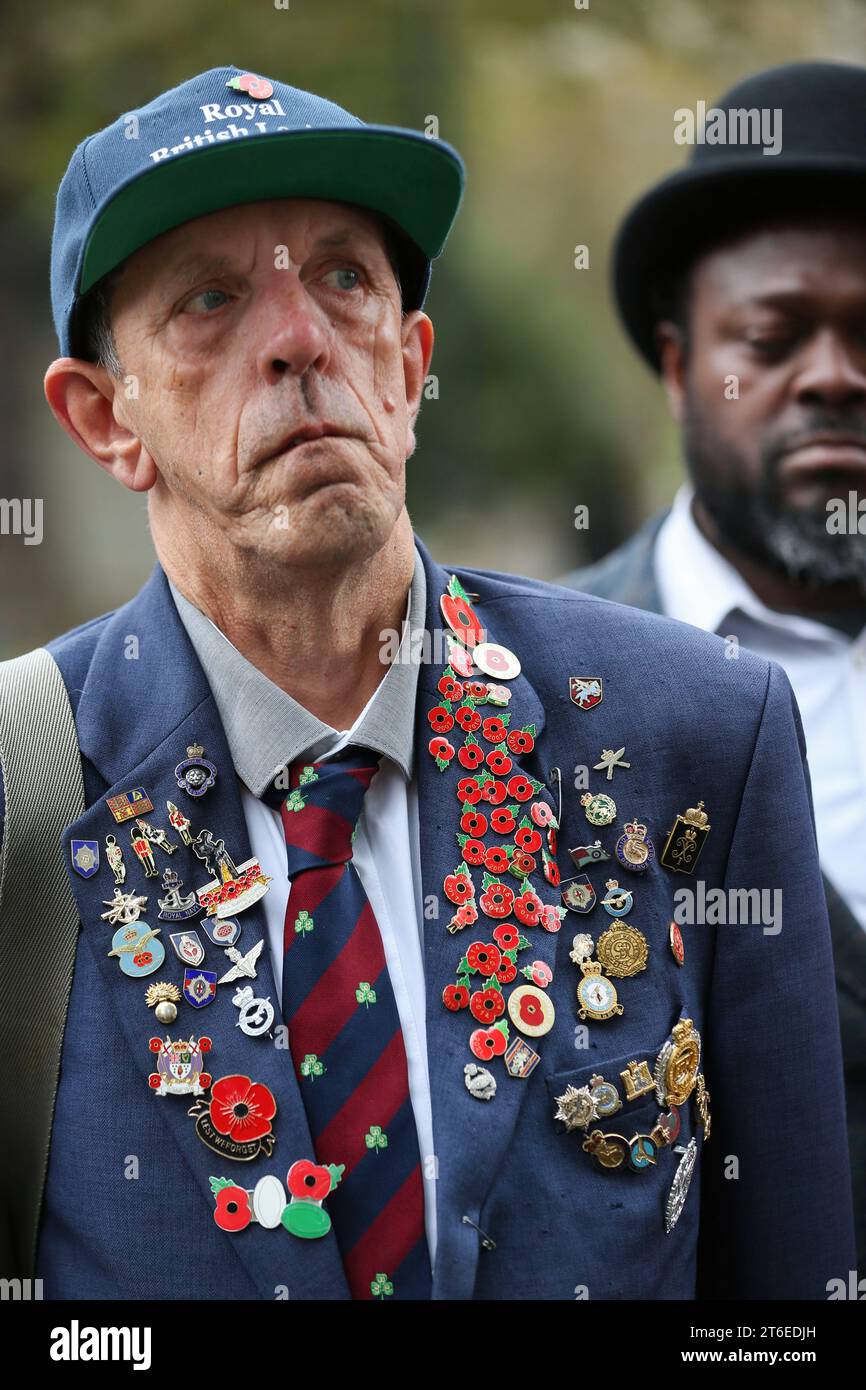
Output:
(416, 182)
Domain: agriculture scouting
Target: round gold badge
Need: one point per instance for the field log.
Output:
(622, 950)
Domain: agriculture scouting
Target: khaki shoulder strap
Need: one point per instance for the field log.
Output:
(44, 793)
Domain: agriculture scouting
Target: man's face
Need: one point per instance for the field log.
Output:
(771, 392)
(245, 328)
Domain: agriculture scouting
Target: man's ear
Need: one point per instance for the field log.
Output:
(670, 340)
(417, 337)
(82, 398)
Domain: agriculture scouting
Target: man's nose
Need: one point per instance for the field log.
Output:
(292, 329)
(832, 371)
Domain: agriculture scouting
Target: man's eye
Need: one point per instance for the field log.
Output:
(205, 301)
(769, 343)
(346, 278)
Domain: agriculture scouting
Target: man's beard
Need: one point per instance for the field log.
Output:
(753, 516)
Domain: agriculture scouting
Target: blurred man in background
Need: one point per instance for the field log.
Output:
(742, 281)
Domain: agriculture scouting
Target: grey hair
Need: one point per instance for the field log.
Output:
(94, 337)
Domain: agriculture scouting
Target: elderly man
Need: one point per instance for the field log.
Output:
(385, 1052)
(753, 314)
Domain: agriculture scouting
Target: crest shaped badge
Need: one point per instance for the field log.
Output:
(199, 987)
(85, 857)
(187, 947)
(179, 1067)
(586, 691)
(578, 893)
(223, 931)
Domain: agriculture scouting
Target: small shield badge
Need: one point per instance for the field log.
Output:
(586, 691)
(578, 893)
(85, 857)
(199, 987)
(223, 931)
(187, 946)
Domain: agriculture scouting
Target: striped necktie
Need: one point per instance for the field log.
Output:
(344, 1032)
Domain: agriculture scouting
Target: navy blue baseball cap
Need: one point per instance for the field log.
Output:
(229, 136)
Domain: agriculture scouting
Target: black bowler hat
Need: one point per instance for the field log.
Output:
(822, 161)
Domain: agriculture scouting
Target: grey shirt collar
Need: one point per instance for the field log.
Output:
(266, 729)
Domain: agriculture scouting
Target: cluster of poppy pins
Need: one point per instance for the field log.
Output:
(493, 796)
(301, 1215)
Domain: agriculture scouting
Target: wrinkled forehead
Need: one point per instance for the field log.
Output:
(232, 237)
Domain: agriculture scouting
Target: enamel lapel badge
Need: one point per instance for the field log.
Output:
(685, 840)
(586, 691)
(233, 887)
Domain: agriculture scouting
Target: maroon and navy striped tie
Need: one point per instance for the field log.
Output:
(344, 1032)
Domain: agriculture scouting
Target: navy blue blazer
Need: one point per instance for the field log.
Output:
(128, 1209)
(627, 575)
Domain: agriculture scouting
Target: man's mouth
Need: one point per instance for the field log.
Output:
(825, 452)
(309, 434)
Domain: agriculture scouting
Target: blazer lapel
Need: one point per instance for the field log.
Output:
(159, 705)
(470, 1138)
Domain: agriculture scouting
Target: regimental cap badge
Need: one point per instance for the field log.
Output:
(677, 1065)
(575, 1108)
(633, 849)
(196, 774)
(600, 809)
(163, 998)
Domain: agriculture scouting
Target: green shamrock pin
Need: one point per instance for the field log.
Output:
(304, 923)
(376, 1138)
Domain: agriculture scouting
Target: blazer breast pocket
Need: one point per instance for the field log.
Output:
(610, 1113)
(626, 1173)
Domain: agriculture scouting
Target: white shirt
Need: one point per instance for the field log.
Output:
(826, 668)
(266, 729)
